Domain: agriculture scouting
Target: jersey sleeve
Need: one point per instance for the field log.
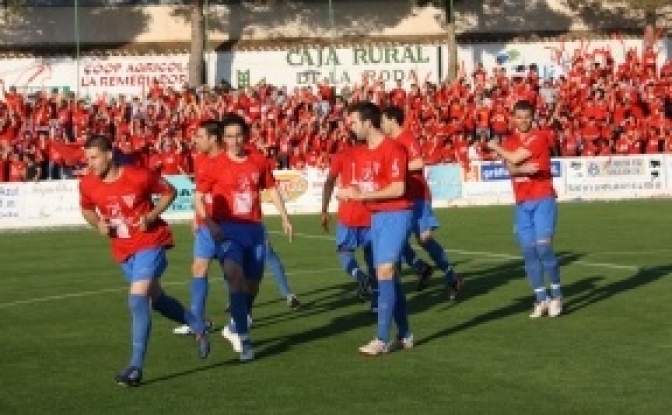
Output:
(157, 184)
(336, 165)
(266, 179)
(204, 178)
(396, 164)
(85, 201)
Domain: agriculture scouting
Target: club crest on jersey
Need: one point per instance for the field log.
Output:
(129, 200)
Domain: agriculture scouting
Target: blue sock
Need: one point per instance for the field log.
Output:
(250, 302)
(401, 310)
(386, 301)
(239, 311)
(535, 273)
(278, 271)
(440, 258)
(141, 324)
(172, 309)
(350, 265)
(373, 281)
(549, 263)
(199, 294)
(409, 256)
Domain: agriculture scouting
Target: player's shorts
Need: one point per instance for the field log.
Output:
(145, 265)
(389, 234)
(535, 220)
(349, 238)
(423, 217)
(245, 244)
(204, 246)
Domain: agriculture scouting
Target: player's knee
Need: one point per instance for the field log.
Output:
(199, 268)
(546, 253)
(530, 254)
(386, 271)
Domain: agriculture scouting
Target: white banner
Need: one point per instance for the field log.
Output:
(614, 177)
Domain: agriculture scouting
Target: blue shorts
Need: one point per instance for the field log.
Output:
(389, 234)
(145, 265)
(245, 244)
(349, 238)
(204, 246)
(423, 217)
(535, 220)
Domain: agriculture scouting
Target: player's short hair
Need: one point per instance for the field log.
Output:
(368, 111)
(99, 142)
(395, 113)
(212, 127)
(231, 118)
(524, 105)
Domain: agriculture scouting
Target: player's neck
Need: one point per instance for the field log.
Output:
(112, 174)
(396, 132)
(237, 154)
(374, 139)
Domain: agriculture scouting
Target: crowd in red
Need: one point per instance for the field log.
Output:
(594, 109)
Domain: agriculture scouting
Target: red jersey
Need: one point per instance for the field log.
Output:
(235, 186)
(377, 168)
(121, 204)
(201, 159)
(351, 213)
(416, 183)
(540, 184)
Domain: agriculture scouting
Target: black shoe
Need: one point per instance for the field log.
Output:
(293, 302)
(455, 287)
(363, 286)
(131, 376)
(424, 275)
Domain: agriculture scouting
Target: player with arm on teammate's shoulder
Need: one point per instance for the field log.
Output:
(117, 202)
(526, 155)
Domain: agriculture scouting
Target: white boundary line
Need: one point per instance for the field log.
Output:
(493, 254)
(124, 288)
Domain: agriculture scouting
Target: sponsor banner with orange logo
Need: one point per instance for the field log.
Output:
(300, 189)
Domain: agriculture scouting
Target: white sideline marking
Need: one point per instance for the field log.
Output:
(111, 290)
(495, 255)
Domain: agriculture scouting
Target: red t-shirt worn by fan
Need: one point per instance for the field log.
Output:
(121, 203)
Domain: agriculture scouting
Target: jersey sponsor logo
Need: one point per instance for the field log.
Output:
(128, 199)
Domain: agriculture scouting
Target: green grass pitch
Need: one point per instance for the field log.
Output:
(64, 327)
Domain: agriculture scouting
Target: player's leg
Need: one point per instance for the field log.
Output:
(545, 223)
(525, 233)
(426, 225)
(204, 250)
(346, 243)
(389, 232)
(418, 265)
(280, 277)
(367, 250)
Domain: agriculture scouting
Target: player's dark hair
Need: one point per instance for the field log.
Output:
(394, 113)
(212, 127)
(368, 111)
(231, 118)
(524, 105)
(99, 142)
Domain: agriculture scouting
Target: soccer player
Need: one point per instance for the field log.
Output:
(525, 153)
(424, 221)
(380, 169)
(352, 227)
(117, 201)
(209, 142)
(234, 180)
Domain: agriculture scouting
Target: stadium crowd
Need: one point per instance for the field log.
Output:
(598, 107)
